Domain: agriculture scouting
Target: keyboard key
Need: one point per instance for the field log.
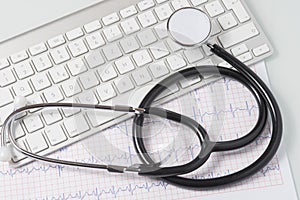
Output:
(112, 33)
(6, 77)
(37, 142)
(56, 41)
(88, 98)
(95, 40)
(198, 2)
(215, 29)
(193, 55)
(106, 92)
(23, 70)
(142, 57)
(55, 134)
(89, 80)
(92, 26)
(18, 132)
(187, 82)
(236, 51)
(76, 125)
(112, 51)
(124, 84)
(159, 69)
(146, 37)
(147, 19)
(245, 57)
(173, 45)
(68, 112)
(37, 49)
(74, 34)
(171, 90)
(100, 117)
(40, 81)
(58, 74)
(18, 57)
(77, 48)
(238, 9)
(159, 50)
(22, 88)
(60, 55)
(41, 62)
(124, 65)
(4, 63)
(94, 59)
(175, 62)
(161, 1)
(129, 44)
(214, 8)
(107, 73)
(51, 116)
(34, 99)
(70, 88)
(5, 97)
(129, 11)
(177, 4)
(163, 12)
(5, 111)
(227, 21)
(263, 49)
(16, 155)
(53, 94)
(110, 19)
(130, 26)
(76, 67)
(145, 4)
(161, 30)
(141, 76)
(33, 123)
(238, 35)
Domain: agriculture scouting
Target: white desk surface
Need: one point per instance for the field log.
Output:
(279, 19)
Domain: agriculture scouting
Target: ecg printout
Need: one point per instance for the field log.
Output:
(55, 182)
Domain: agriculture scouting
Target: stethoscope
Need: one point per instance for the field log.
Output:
(188, 27)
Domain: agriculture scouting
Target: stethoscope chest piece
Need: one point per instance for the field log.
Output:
(189, 26)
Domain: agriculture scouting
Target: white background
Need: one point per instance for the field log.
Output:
(280, 20)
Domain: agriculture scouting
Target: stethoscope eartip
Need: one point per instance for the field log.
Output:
(5, 154)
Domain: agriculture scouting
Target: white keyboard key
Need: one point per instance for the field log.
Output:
(74, 34)
(214, 8)
(130, 26)
(198, 2)
(5, 97)
(173, 45)
(147, 19)
(95, 40)
(193, 55)
(24, 70)
(33, 123)
(159, 50)
(41, 62)
(124, 84)
(53, 94)
(16, 155)
(4, 63)
(263, 49)
(77, 48)
(177, 4)
(98, 117)
(215, 29)
(51, 116)
(71, 88)
(37, 49)
(238, 9)
(245, 57)
(159, 69)
(5, 112)
(6, 77)
(187, 82)
(60, 55)
(110, 19)
(238, 50)
(171, 90)
(146, 37)
(163, 12)
(68, 112)
(40, 81)
(55, 134)
(18, 57)
(129, 11)
(37, 142)
(124, 65)
(18, 132)
(175, 62)
(227, 21)
(22, 88)
(141, 76)
(141, 57)
(56, 41)
(206, 49)
(161, 30)
(112, 51)
(238, 35)
(161, 1)
(34, 99)
(58, 74)
(88, 80)
(76, 66)
(88, 98)
(129, 44)
(94, 59)
(92, 26)
(112, 33)
(145, 4)
(107, 73)
(106, 92)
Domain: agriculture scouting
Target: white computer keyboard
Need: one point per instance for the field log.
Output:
(107, 59)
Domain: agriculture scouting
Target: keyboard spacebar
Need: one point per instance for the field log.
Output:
(238, 35)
